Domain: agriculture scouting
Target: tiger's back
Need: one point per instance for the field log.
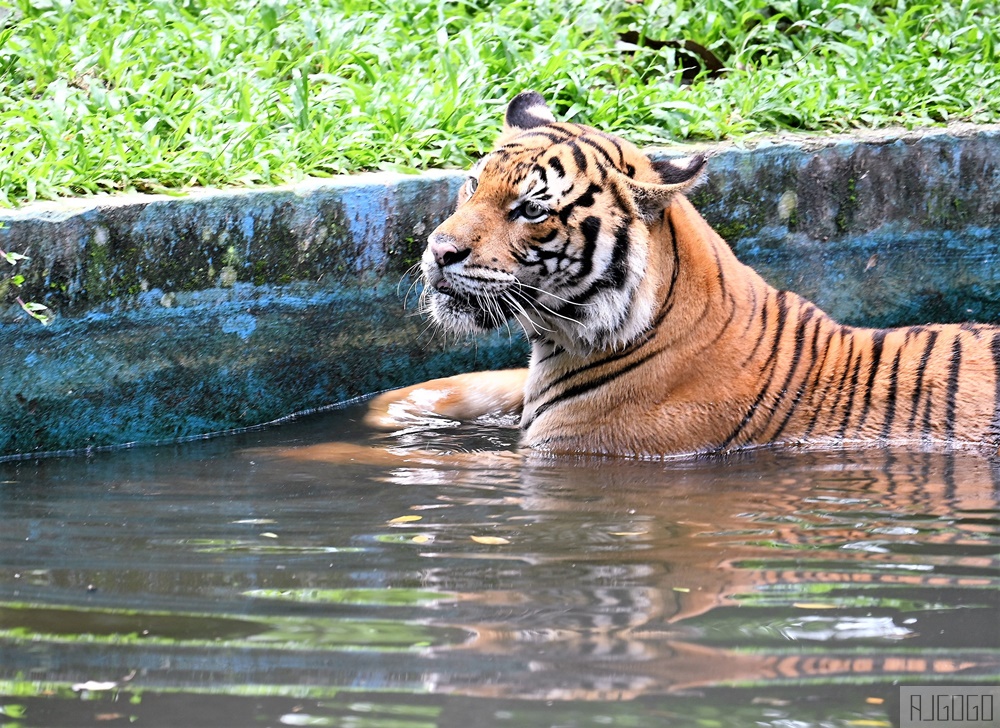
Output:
(734, 363)
(649, 337)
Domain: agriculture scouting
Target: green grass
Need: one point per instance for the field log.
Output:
(155, 95)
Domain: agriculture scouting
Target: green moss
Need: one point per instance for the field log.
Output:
(731, 230)
(841, 221)
(845, 215)
(408, 254)
(703, 197)
(258, 272)
(793, 220)
(231, 257)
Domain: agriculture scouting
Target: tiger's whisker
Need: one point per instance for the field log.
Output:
(524, 312)
(532, 302)
(553, 295)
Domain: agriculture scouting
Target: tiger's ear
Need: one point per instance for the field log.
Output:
(677, 175)
(526, 111)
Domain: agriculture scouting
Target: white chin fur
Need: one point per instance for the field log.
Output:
(451, 319)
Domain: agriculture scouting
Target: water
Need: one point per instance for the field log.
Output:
(250, 581)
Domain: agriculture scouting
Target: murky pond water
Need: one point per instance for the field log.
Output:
(237, 582)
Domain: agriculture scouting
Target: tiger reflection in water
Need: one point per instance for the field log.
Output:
(658, 577)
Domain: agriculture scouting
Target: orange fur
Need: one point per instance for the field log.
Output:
(649, 337)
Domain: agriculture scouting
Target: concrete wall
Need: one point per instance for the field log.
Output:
(177, 316)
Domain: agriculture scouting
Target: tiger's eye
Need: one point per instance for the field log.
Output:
(531, 210)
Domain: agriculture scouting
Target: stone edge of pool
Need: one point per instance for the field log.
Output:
(181, 316)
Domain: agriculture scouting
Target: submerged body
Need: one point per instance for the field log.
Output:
(649, 337)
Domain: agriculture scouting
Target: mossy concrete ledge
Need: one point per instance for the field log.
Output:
(180, 316)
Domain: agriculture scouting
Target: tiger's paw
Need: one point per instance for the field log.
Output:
(461, 398)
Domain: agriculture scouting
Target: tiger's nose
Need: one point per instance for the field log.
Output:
(446, 251)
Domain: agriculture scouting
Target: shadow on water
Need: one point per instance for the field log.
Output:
(251, 581)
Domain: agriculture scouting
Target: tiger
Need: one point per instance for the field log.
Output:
(648, 337)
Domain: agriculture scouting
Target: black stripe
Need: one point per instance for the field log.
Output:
(592, 143)
(849, 407)
(770, 363)
(951, 393)
(878, 342)
(926, 426)
(667, 304)
(919, 385)
(668, 299)
(975, 329)
(589, 386)
(556, 166)
(578, 156)
(726, 325)
(763, 330)
(586, 199)
(554, 135)
(799, 344)
(591, 228)
(617, 145)
(844, 332)
(721, 274)
(547, 238)
(611, 358)
(890, 396)
(545, 177)
(615, 275)
(815, 397)
(753, 309)
(995, 425)
(520, 145)
(617, 272)
(620, 201)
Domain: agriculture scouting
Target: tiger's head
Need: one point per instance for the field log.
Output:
(552, 229)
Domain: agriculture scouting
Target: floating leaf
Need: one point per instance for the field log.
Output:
(681, 589)
(406, 519)
(269, 534)
(813, 605)
(422, 538)
(490, 540)
(628, 533)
